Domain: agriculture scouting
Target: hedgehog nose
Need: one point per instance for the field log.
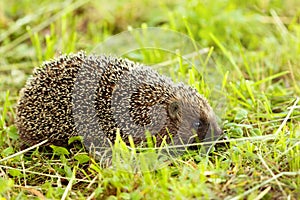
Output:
(214, 133)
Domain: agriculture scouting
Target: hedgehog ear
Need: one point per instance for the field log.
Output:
(174, 110)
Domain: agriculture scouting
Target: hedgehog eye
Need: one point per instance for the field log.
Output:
(197, 125)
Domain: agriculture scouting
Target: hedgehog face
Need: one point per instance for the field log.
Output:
(195, 120)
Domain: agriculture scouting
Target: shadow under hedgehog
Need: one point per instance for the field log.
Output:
(94, 96)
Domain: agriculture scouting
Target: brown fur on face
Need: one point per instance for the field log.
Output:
(191, 118)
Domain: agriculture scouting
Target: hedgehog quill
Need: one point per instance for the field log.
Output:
(94, 96)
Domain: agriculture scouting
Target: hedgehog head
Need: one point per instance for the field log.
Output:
(194, 119)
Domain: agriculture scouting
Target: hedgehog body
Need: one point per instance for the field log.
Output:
(93, 96)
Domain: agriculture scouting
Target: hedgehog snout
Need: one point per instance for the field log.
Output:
(214, 132)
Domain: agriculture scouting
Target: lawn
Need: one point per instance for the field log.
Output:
(243, 56)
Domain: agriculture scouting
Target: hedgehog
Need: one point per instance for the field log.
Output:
(98, 96)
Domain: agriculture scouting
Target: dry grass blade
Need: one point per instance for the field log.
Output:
(69, 186)
(263, 193)
(271, 172)
(265, 183)
(24, 151)
(288, 116)
(33, 191)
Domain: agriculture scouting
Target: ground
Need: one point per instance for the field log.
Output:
(243, 56)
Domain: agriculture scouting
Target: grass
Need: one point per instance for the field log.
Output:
(250, 74)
